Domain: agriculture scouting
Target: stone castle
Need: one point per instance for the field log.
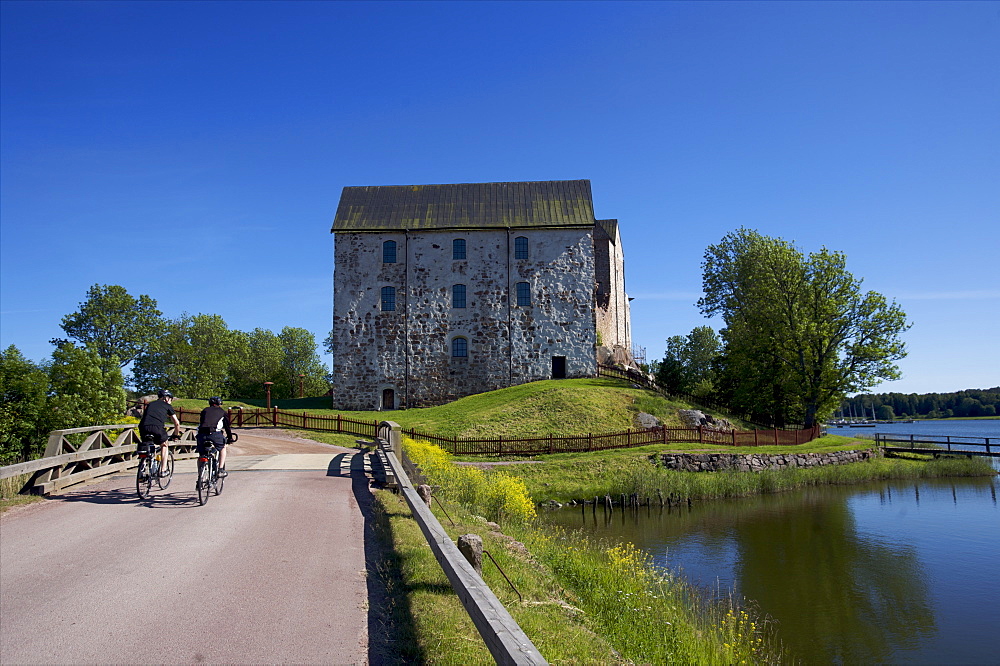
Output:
(444, 291)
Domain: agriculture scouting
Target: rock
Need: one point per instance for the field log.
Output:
(647, 420)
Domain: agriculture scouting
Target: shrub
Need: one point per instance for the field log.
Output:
(497, 495)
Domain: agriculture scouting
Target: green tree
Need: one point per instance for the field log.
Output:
(885, 413)
(113, 323)
(300, 358)
(192, 357)
(802, 322)
(670, 371)
(25, 418)
(689, 363)
(257, 358)
(82, 393)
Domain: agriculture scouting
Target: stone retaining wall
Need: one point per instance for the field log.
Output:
(755, 462)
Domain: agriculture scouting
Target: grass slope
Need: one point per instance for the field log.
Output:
(556, 407)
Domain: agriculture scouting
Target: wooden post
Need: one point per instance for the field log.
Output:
(775, 436)
(700, 439)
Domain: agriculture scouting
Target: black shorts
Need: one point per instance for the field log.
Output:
(156, 432)
(216, 439)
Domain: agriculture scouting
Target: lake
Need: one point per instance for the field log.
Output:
(954, 427)
(893, 572)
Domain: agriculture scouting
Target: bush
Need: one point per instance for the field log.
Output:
(498, 495)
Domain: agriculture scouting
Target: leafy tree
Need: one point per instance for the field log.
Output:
(113, 323)
(257, 358)
(799, 323)
(25, 418)
(885, 413)
(689, 363)
(82, 393)
(192, 357)
(300, 357)
(670, 371)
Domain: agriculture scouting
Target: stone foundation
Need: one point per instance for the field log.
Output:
(756, 462)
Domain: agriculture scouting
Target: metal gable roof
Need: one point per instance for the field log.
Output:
(554, 203)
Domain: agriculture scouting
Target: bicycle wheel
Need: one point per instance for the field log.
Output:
(219, 482)
(166, 471)
(143, 479)
(204, 482)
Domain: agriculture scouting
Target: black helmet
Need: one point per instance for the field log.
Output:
(215, 400)
(164, 393)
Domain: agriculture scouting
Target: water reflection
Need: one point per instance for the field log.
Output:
(847, 572)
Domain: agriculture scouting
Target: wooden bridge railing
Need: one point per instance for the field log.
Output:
(103, 450)
(938, 444)
(506, 641)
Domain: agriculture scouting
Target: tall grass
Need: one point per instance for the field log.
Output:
(497, 495)
(651, 616)
(618, 473)
(646, 615)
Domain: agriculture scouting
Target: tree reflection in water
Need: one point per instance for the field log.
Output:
(838, 594)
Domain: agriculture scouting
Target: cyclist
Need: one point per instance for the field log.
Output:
(213, 421)
(151, 423)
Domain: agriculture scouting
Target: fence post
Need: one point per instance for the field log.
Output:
(590, 441)
(734, 436)
(775, 436)
(700, 439)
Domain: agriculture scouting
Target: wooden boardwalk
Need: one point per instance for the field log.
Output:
(939, 444)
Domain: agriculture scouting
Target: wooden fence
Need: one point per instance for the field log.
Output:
(279, 418)
(78, 454)
(518, 446)
(533, 446)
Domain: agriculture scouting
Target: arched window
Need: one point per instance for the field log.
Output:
(388, 299)
(458, 296)
(520, 247)
(523, 293)
(389, 252)
(459, 348)
(458, 248)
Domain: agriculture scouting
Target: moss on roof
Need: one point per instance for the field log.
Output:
(554, 203)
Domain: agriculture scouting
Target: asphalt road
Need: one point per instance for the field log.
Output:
(271, 571)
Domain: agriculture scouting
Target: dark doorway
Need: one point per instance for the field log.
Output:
(388, 399)
(558, 367)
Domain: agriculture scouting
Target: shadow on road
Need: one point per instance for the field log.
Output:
(390, 619)
(175, 496)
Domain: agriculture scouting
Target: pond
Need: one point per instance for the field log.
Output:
(893, 572)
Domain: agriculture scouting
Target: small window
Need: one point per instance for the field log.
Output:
(523, 293)
(458, 296)
(520, 247)
(459, 348)
(389, 252)
(388, 299)
(458, 248)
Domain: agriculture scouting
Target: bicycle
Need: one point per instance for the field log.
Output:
(208, 472)
(152, 467)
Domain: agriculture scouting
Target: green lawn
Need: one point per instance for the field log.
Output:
(556, 407)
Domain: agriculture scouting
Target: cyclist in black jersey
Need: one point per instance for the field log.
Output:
(214, 420)
(155, 414)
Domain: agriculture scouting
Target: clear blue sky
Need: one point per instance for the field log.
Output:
(195, 152)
